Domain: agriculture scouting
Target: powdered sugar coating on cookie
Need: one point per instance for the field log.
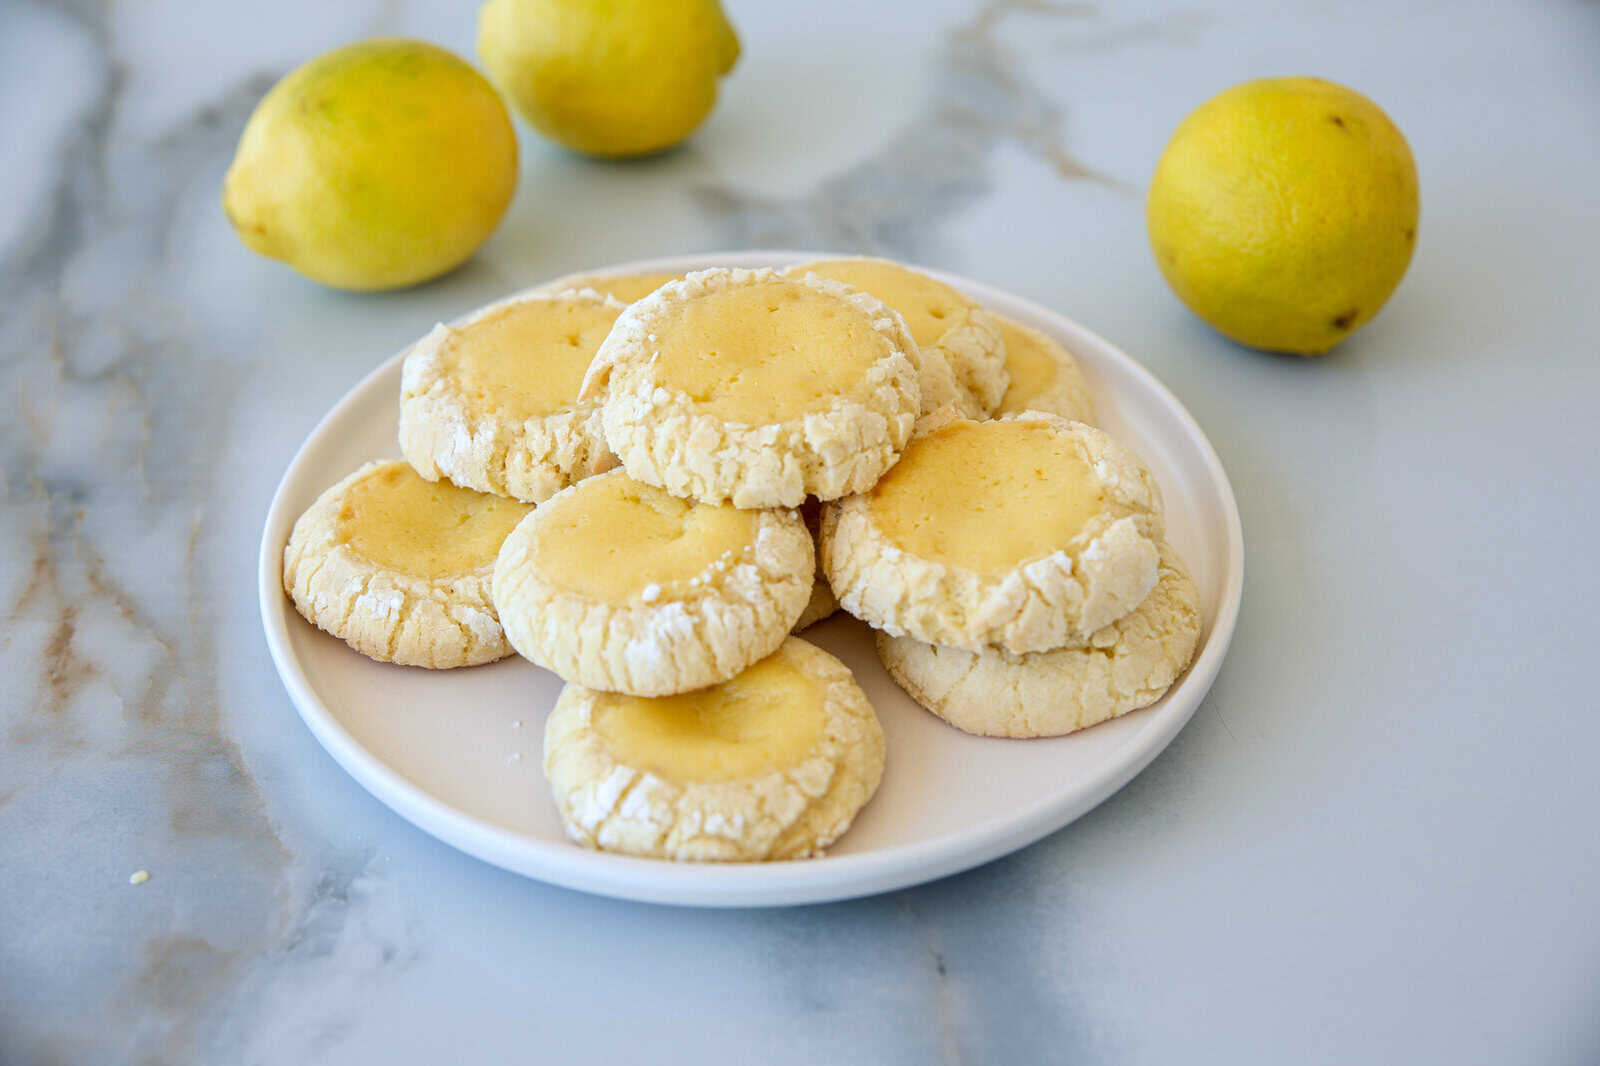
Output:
(789, 806)
(1006, 580)
(1126, 665)
(747, 419)
(492, 404)
(602, 588)
(441, 618)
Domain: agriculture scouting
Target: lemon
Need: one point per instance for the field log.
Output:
(377, 165)
(609, 78)
(1284, 212)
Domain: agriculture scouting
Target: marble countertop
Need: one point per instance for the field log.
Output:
(1376, 841)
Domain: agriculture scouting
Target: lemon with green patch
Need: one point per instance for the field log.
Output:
(375, 166)
(1284, 213)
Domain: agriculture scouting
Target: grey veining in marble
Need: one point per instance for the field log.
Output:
(1375, 842)
(932, 165)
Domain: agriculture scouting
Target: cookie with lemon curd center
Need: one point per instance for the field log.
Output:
(397, 521)
(1124, 666)
(621, 587)
(619, 537)
(768, 718)
(399, 568)
(1044, 375)
(942, 321)
(987, 501)
(493, 404)
(1026, 533)
(773, 763)
(768, 352)
(750, 387)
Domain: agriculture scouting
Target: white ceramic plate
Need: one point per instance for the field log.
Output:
(457, 752)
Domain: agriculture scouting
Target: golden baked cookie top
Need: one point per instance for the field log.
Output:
(493, 404)
(429, 529)
(619, 541)
(399, 568)
(749, 386)
(528, 358)
(773, 763)
(1028, 533)
(771, 351)
(930, 307)
(766, 719)
(617, 585)
(940, 319)
(990, 498)
(1044, 375)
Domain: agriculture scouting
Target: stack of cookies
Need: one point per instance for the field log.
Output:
(646, 484)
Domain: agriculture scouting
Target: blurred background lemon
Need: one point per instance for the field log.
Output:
(1284, 212)
(609, 78)
(374, 166)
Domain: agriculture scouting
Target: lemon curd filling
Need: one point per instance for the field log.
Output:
(764, 720)
(628, 287)
(769, 352)
(1032, 367)
(432, 529)
(529, 358)
(986, 496)
(613, 537)
(929, 307)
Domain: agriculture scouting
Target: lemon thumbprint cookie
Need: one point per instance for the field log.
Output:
(1027, 533)
(618, 586)
(399, 568)
(748, 387)
(493, 404)
(771, 764)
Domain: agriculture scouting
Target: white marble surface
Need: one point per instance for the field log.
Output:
(1376, 842)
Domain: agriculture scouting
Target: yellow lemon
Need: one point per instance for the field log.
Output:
(609, 78)
(377, 165)
(1284, 212)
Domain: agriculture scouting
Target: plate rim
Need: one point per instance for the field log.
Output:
(750, 884)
